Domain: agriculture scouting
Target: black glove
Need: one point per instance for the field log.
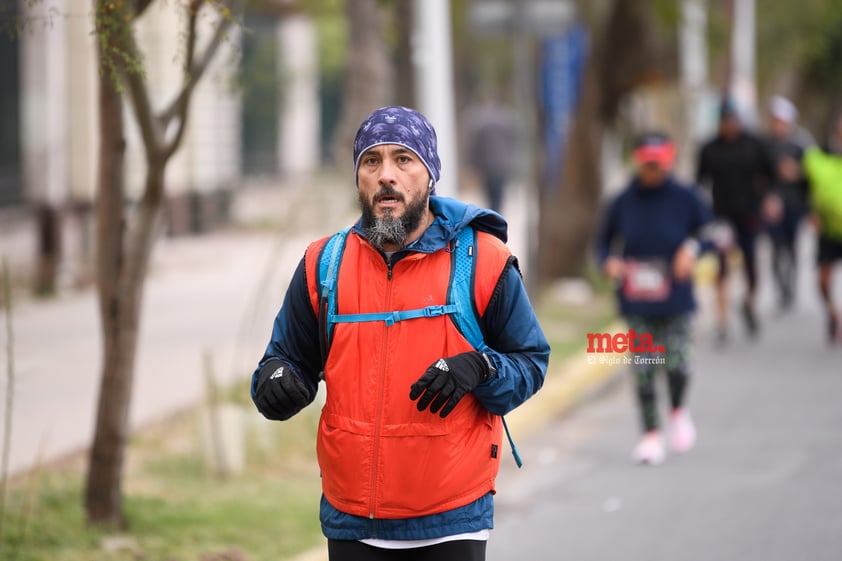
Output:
(448, 380)
(281, 393)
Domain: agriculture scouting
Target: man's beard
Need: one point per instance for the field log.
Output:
(390, 230)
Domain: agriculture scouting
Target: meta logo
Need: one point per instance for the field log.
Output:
(623, 342)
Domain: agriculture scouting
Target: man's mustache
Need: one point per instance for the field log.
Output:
(387, 191)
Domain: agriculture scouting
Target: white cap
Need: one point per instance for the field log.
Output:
(783, 109)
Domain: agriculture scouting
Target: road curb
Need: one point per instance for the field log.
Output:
(565, 386)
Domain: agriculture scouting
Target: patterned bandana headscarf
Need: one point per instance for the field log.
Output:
(403, 126)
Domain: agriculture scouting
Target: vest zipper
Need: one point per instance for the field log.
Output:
(378, 415)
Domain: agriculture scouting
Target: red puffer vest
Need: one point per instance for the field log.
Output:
(380, 457)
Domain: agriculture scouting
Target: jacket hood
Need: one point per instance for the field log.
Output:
(451, 216)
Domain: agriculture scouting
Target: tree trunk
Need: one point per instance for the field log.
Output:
(124, 246)
(122, 278)
(404, 69)
(368, 74)
(621, 58)
(568, 214)
(102, 495)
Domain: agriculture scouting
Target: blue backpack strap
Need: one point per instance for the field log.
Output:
(391, 318)
(328, 270)
(460, 293)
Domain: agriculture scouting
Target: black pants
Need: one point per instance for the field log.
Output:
(675, 334)
(746, 231)
(457, 550)
(784, 256)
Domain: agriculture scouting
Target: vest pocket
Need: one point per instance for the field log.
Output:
(425, 474)
(344, 448)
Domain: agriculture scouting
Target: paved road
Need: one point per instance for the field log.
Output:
(763, 482)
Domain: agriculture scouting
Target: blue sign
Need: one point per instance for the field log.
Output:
(562, 69)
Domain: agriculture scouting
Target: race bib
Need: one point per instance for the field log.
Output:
(646, 281)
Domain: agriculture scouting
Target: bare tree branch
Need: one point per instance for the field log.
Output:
(149, 130)
(179, 108)
(139, 95)
(195, 69)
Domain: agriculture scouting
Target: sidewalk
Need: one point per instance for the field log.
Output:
(212, 296)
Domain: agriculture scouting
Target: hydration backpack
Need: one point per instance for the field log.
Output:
(460, 299)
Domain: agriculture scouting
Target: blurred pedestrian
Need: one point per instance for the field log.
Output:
(418, 364)
(734, 166)
(823, 167)
(786, 206)
(648, 244)
(491, 143)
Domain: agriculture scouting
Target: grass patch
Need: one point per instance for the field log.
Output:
(567, 323)
(178, 509)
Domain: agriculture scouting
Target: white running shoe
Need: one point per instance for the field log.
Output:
(682, 431)
(650, 449)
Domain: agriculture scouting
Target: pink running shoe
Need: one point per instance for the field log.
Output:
(650, 449)
(682, 431)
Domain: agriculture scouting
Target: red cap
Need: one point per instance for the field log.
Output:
(662, 153)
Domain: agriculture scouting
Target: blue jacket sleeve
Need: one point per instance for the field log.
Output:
(519, 350)
(295, 336)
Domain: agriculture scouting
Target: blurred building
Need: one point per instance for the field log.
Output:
(49, 134)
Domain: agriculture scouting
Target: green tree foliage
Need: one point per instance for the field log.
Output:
(799, 49)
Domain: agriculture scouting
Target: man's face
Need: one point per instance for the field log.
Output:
(779, 127)
(394, 192)
(652, 174)
(729, 127)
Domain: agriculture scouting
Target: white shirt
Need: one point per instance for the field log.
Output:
(482, 535)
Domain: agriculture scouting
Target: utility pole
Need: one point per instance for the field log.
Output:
(433, 61)
(524, 104)
(742, 86)
(694, 76)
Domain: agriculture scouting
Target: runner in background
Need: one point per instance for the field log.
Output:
(823, 167)
(785, 208)
(735, 168)
(491, 139)
(648, 244)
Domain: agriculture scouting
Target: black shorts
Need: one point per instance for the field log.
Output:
(830, 250)
(458, 550)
